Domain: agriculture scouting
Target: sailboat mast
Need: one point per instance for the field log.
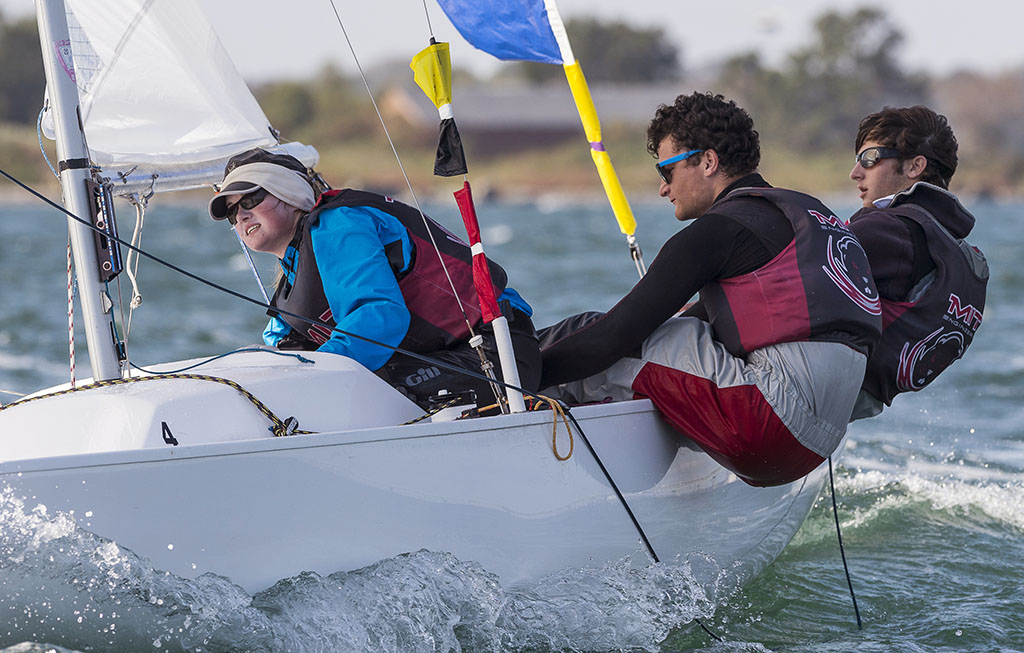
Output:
(74, 166)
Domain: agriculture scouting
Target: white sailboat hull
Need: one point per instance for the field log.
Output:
(488, 490)
(183, 471)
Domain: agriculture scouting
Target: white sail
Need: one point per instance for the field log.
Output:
(159, 93)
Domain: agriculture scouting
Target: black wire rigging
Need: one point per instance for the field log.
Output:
(842, 551)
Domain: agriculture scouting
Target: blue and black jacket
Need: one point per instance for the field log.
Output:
(365, 263)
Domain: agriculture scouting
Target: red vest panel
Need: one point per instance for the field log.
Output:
(818, 288)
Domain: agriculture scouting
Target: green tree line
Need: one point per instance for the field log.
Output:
(21, 71)
(806, 108)
(821, 91)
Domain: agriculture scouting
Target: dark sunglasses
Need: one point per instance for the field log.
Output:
(869, 156)
(248, 202)
(665, 172)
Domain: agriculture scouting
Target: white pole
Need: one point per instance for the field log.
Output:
(507, 357)
(73, 158)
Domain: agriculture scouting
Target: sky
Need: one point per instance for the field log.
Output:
(941, 35)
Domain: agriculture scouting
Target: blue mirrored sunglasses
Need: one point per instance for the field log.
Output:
(666, 173)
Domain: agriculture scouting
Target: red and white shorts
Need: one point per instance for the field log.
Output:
(770, 419)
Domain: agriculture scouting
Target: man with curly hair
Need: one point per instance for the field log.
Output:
(932, 282)
(763, 371)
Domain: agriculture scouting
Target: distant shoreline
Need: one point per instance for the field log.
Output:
(11, 195)
(561, 174)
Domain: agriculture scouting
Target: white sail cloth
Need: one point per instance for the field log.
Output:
(160, 95)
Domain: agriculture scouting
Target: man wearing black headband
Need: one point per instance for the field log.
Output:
(931, 281)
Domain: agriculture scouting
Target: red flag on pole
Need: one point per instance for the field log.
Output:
(481, 272)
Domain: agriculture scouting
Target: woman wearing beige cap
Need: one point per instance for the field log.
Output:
(366, 264)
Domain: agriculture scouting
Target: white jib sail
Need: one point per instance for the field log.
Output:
(160, 95)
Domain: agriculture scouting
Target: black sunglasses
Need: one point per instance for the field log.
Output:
(869, 156)
(248, 202)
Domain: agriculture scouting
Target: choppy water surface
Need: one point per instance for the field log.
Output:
(931, 493)
(65, 584)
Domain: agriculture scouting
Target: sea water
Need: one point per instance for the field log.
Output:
(930, 493)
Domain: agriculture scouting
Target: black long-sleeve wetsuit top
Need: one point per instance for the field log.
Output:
(737, 238)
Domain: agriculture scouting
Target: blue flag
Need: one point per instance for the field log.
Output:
(512, 30)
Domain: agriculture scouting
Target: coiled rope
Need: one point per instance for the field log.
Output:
(433, 411)
(557, 411)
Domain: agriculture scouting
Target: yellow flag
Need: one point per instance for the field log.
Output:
(432, 70)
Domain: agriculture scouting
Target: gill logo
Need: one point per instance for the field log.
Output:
(422, 375)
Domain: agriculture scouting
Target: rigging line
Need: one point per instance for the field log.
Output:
(842, 551)
(430, 28)
(136, 301)
(39, 135)
(252, 266)
(124, 325)
(120, 301)
(401, 166)
(615, 487)
(708, 630)
(140, 219)
(256, 302)
(140, 202)
(71, 314)
(276, 352)
(622, 500)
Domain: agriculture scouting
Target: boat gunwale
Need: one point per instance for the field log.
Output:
(374, 434)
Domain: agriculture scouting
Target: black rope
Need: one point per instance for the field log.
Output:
(707, 630)
(842, 551)
(618, 493)
(622, 500)
(299, 357)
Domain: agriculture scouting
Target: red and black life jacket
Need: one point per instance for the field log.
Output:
(923, 337)
(818, 288)
(437, 320)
